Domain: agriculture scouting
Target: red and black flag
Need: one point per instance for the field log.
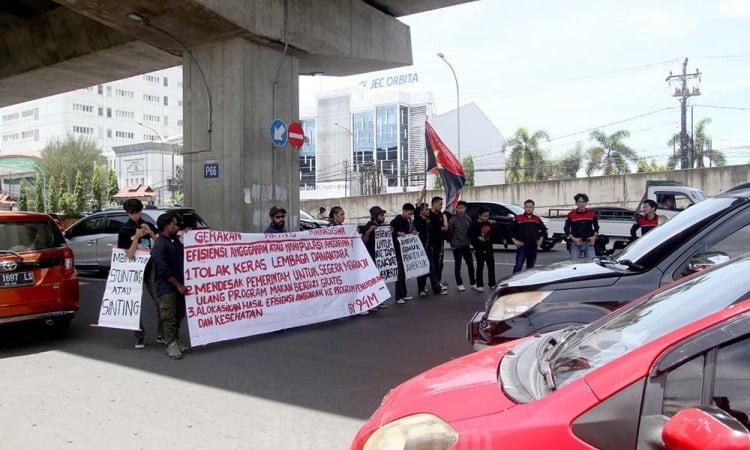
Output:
(441, 161)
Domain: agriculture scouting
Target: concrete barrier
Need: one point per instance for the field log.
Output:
(621, 190)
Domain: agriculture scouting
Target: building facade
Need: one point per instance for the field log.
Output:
(144, 108)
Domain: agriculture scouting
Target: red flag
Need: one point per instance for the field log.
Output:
(441, 161)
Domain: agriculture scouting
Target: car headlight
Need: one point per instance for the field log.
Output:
(512, 305)
(416, 432)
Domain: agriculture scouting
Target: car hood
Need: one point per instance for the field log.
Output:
(594, 273)
(460, 389)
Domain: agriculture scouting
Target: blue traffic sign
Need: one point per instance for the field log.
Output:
(278, 133)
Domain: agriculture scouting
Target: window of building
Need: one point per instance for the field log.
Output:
(150, 137)
(30, 135)
(109, 132)
(166, 120)
(29, 113)
(179, 102)
(124, 134)
(124, 114)
(151, 118)
(165, 82)
(124, 93)
(151, 98)
(11, 137)
(100, 89)
(179, 122)
(78, 129)
(101, 111)
(9, 117)
(109, 112)
(166, 101)
(109, 91)
(151, 78)
(83, 108)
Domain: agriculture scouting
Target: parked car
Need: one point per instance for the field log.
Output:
(502, 216)
(572, 293)
(614, 226)
(308, 222)
(93, 237)
(631, 380)
(38, 280)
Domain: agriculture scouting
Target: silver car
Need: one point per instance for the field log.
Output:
(93, 237)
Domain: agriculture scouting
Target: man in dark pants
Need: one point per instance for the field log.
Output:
(401, 226)
(422, 225)
(480, 235)
(134, 234)
(438, 224)
(528, 232)
(458, 230)
(168, 256)
(377, 218)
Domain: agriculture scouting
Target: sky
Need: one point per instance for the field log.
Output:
(570, 67)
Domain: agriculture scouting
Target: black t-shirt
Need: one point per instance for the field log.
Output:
(435, 225)
(125, 236)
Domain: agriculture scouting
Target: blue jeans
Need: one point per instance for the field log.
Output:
(526, 253)
(582, 252)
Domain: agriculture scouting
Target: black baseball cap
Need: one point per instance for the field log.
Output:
(276, 211)
(375, 211)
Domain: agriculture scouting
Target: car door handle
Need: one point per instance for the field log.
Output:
(90, 243)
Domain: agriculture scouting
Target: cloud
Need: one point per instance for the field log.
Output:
(668, 24)
(734, 9)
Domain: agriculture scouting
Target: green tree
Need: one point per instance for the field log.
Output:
(96, 189)
(567, 166)
(468, 165)
(525, 160)
(648, 166)
(79, 195)
(53, 195)
(702, 149)
(112, 187)
(609, 154)
(23, 196)
(39, 194)
(63, 158)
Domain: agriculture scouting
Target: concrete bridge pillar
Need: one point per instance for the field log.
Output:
(246, 87)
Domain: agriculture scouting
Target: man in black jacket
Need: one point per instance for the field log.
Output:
(480, 234)
(401, 226)
(528, 232)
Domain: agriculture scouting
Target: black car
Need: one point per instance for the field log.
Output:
(502, 216)
(573, 293)
(93, 237)
(308, 222)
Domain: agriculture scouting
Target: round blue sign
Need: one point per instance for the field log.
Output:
(278, 132)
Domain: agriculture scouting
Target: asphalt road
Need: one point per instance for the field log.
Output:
(306, 388)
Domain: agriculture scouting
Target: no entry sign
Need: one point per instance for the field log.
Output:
(296, 135)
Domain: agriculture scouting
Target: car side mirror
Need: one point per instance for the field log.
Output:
(703, 261)
(705, 428)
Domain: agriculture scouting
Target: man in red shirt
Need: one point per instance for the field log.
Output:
(528, 232)
(582, 228)
(646, 221)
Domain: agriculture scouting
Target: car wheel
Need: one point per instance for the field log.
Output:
(547, 247)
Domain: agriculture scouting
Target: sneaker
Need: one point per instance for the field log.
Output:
(408, 297)
(382, 305)
(174, 351)
(445, 285)
(444, 292)
(422, 293)
(473, 286)
(364, 313)
(460, 288)
(140, 342)
(480, 289)
(401, 301)
(161, 340)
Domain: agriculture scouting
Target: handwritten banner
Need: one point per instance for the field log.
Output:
(413, 256)
(385, 254)
(243, 284)
(121, 303)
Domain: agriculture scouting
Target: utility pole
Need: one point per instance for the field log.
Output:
(683, 93)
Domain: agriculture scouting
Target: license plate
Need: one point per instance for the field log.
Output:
(14, 279)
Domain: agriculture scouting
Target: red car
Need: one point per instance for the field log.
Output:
(618, 383)
(38, 280)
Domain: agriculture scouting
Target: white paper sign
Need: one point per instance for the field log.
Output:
(413, 256)
(385, 254)
(243, 284)
(121, 303)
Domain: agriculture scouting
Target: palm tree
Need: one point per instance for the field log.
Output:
(526, 161)
(610, 155)
(702, 149)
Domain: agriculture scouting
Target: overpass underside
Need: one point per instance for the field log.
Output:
(241, 61)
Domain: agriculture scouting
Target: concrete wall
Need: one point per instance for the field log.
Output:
(622, 190)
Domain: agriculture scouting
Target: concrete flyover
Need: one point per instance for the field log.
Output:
(241, 61)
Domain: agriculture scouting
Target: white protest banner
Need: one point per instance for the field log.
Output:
(243, 284)
(385, 254)
(121, 303)
(413, 256)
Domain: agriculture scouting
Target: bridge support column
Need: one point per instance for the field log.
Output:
(237, 88)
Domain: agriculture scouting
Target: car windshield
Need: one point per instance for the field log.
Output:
(650, 318)
(305, 215)
(28, 236)
(648, 249)
(515, 209)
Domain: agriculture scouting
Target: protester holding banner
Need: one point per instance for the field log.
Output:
(438, 229)
(336, 216)
(458, 229)
(377, 218)
(168, 259)
(401, 226)
(278, 216)
(422, 225)
(480, 234)
(137, 233)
